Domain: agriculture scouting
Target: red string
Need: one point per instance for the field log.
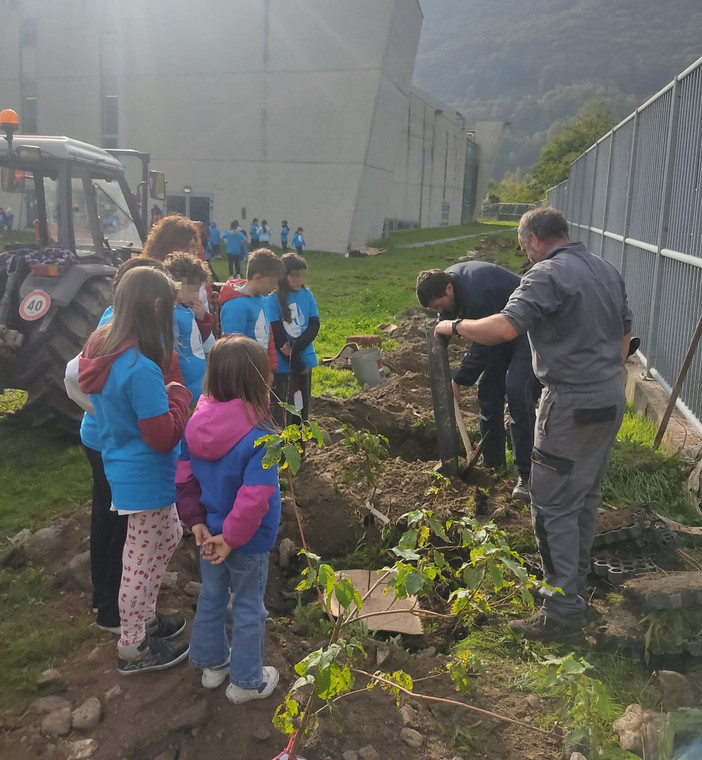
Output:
(287, 749)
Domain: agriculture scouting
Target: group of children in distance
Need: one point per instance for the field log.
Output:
(155, 465)
(237, 243)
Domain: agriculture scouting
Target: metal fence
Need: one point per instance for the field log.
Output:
(635, 198)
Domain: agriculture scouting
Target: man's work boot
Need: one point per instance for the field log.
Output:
(539, 627)
(521, 491)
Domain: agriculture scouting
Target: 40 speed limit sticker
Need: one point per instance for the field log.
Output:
(35, 305)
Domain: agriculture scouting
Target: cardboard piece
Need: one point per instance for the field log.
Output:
(398, 622)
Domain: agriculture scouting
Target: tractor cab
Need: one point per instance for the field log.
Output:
(55, 284)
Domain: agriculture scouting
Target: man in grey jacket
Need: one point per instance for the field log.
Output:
(573, 306)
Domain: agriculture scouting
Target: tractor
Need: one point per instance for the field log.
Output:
(54, 290)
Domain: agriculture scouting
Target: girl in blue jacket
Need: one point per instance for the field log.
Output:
(232, 504)
(140, 421)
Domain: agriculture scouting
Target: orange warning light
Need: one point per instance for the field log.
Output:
(9, 120)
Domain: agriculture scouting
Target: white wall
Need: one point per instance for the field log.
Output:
(291, 110)
(429, 163)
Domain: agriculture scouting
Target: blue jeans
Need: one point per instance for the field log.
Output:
(245, 575)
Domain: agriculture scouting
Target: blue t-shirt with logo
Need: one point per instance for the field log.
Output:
(88, 427)
(189, 349)
(302, 307)
(235, 242)
(140, 477)
(247, 315)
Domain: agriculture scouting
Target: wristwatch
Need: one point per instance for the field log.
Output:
(454, 325)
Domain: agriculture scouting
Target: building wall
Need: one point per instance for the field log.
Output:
(429, 163)
(271, 108)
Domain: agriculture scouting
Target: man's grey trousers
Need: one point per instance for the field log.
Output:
(575, 430)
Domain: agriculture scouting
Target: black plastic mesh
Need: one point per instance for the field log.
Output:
(442, 400)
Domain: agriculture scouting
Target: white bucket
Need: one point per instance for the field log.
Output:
(367, 366)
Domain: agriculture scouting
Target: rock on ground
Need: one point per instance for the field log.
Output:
(411, 737)
(45, 705)
(51, 677)
(192, 716)
(78, 571)
(87, 716)
(81, 750)
(640, 731)
(286, 551)
(677, 690)
(192, 588)
(369, 752)
(57, 723)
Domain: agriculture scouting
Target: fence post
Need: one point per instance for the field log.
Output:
(605, 209)
(663, 225)
(629, 190)
(596, 150)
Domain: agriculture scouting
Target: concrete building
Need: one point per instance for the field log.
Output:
(254, 108)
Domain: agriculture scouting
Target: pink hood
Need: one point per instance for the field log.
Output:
(217, 426)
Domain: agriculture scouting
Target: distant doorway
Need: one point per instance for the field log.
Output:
(195, 207)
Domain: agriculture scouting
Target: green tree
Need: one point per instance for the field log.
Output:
(560, 152)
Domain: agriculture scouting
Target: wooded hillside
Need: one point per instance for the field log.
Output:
(536, 62)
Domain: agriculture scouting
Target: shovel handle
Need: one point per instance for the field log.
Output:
(462, 429)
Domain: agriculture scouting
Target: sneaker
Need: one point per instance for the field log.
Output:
(166, 626)
(116, 629)
(237, 695)
(540, 627)
(521, 491)
(155, 654)
(212, 678)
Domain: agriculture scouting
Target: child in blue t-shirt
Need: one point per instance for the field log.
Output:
(232, 504)
(295, 324)
(243, 304)
(253, 234)
(215, 239)
(298, 241)
(284, 233)
(193, 325)
(140, 421)
(107, 528)
(236, 248)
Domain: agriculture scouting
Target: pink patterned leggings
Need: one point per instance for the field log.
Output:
(152, 537)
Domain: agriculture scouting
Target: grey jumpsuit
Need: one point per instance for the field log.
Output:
(574, 307)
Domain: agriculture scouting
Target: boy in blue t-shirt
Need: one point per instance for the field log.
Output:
(253, 234)
(298, 241)
(236, 247)
(284, 232)
(192, 323)
(243, 306)
(215, 239)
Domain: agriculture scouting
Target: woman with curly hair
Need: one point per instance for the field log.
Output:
(173, 233)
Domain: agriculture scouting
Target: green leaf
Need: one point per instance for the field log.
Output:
(414, 582)
(496, 576)
(473, 576)
(437, 527)
(406, 554)
(292, 457)
(344, 592)
(409, 539)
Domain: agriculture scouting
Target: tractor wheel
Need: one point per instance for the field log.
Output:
(45, 355)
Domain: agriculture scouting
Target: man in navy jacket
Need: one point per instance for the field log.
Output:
(471, 290)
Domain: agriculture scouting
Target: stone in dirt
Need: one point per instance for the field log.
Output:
(57, 723)
(350, 755)
(190, 717)
(78, 571)
(87, 716)
(51, 677)
(262, 733)
(169, 580)
(45, 705)
(381, 655)
(411, 737)
(21, 538)
(577, 756)
(408, 715)
(640, 731)
(113, 693)
(677, 690)
(286, 551)
(81, 750)
(369, 752)
(192, 588)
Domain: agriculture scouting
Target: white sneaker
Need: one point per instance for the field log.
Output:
(237, 695)
(212, 678)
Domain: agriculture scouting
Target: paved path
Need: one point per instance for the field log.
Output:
(451, 240)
